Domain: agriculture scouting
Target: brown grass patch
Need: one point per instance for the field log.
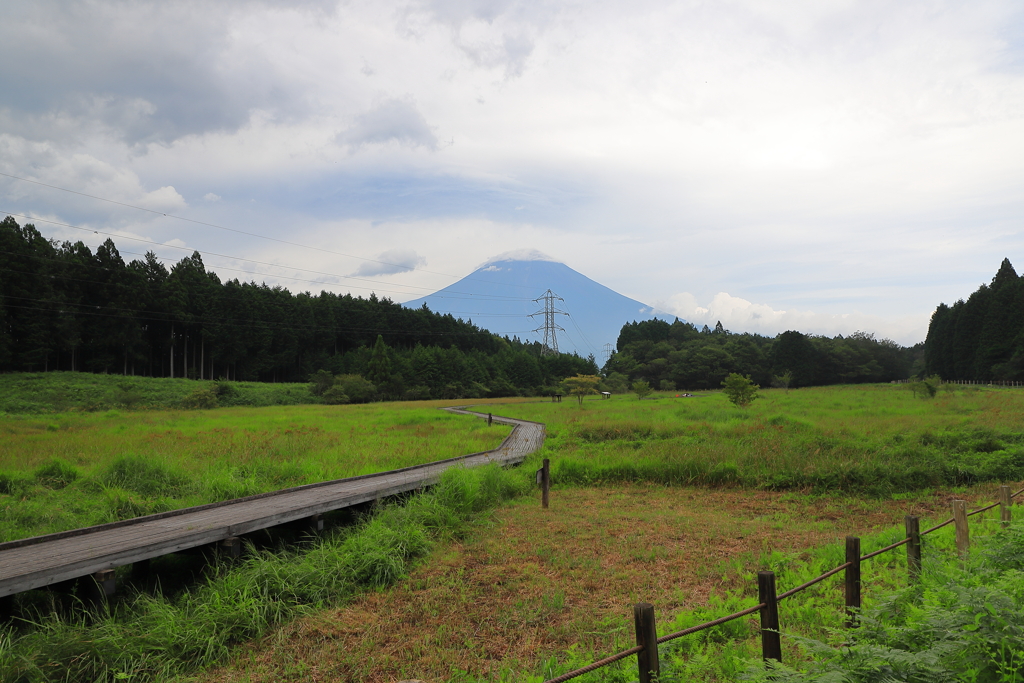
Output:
(526, 584)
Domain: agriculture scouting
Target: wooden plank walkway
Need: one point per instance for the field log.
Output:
(45, 560)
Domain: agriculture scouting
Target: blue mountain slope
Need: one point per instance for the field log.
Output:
(499, 296)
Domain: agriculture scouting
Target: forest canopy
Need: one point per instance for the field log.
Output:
(981, 339)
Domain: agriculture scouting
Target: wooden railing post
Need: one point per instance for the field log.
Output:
(913, 526)
(545, 483)
(852, 581)
(647, 638)
(963, 535)
(771, 641)
(1005, 512)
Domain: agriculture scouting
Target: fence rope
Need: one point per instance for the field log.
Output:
(736, 615)
(597, 665)
(709, 624)
(794, 591)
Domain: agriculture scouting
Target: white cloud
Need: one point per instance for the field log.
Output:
(390, 120)
(391, 262)
(740, 315)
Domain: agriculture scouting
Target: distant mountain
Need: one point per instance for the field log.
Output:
(499, 296)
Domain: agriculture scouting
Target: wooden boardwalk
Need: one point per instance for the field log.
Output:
(45, 560)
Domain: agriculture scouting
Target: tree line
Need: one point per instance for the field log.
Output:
(65, 307)
(981, 338)
(678, 355)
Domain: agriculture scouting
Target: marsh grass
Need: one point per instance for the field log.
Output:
(77, 469)
(149, 636)
(878, 439)
(36, 393)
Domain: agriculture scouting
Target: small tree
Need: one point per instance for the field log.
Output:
(581, 385)
(782, 381)
(740, 389)
(642, 389)
(320, 381)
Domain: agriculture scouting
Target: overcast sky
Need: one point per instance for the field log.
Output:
(825, 166)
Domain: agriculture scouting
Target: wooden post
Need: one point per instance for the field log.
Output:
(490, 419)
(852, 581)
(913, 526)
(545, 483)
(97, 588)
(963, 536)
(6, 608)
(1005, 512)
(647, 638)
(230, 548)
(771, 641)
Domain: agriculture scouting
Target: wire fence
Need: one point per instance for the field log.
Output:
(647, 641)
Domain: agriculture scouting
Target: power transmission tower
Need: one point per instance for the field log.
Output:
(607, 352)
(550, 326)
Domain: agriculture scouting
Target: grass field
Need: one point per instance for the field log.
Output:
(670, 500)
(877, 439)
(63, 471)
(27, 393)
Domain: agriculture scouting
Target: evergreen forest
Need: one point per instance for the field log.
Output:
(678, 355)
(981, 339)
(65, 307)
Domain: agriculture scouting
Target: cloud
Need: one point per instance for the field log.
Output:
(391, 262)
(526, 254)
(391, 120)
(740, 315)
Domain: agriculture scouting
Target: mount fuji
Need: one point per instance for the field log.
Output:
(501, 294)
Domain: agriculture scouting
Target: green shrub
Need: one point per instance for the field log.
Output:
(200, 399)
(356, 388)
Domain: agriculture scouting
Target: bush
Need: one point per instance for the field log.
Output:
(335, 396)
(356, 388)
(200, 399)
(320, 382)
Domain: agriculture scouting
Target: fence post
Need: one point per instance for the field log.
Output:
(771, 641)
(647, 638)
(852, 581)
(545, 483)
(963, 535)
(1005, 512)
(913, 526)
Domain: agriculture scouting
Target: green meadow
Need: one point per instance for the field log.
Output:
(875, 439)
(852, 450)
(62, 471)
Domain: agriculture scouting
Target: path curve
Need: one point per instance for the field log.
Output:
(45, 560)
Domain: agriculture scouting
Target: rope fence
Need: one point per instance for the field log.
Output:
(646, 633)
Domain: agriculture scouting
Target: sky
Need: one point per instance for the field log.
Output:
(820, 165)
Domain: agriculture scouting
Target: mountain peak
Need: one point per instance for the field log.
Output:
(518, 255)
(501, 296)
